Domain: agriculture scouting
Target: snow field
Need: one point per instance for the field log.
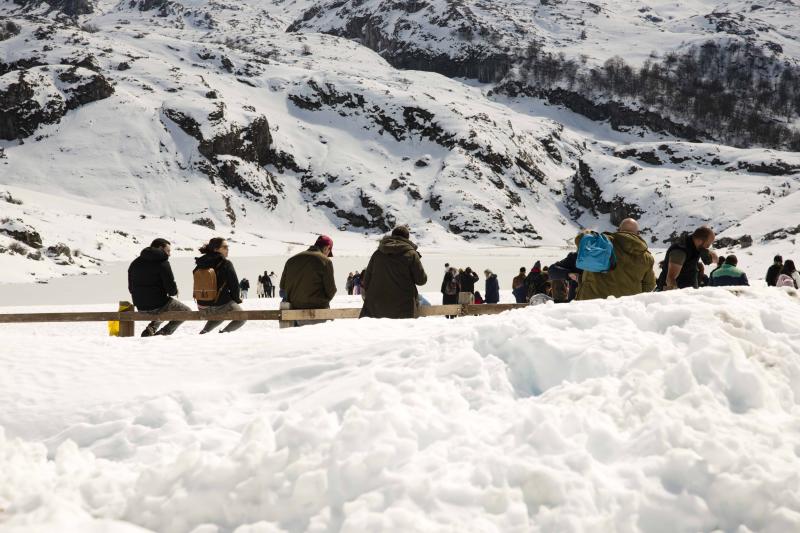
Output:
(662, 412)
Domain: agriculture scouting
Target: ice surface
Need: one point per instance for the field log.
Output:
(669, 412)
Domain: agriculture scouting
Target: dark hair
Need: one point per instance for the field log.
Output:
(522, 269)
(159, 243)
(721, 260)
(778, 259)
(703, 232)
(788, 268)
(401, 231)
(731, 260)
(212, 246)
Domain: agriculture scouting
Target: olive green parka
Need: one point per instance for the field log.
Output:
(633, 273)
(391, 280)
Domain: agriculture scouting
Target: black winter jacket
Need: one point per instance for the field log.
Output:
(227, 280)
(467, 281)
(150, 280)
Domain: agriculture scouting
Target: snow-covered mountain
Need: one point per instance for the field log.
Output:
(122, 121)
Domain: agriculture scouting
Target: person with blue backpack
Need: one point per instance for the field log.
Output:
(614, 264)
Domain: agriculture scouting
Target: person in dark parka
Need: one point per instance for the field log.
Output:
(774, 271)
(392, 276)
(492, 291)
(152, 286)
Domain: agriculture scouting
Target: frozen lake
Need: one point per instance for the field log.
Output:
(113, 286)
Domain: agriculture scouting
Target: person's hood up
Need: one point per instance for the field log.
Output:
(630, 243)
(209, 260)
(393, 245)
(154, 255)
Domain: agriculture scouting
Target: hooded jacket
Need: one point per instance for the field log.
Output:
(391, 279)
(633, 273)
(307, 280)
(150, 280)
(227, 280)
(492, 289)
(728, 275)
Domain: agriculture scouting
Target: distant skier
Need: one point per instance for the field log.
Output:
(774, 271)
(152, 286)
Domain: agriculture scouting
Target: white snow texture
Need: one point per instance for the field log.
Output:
(672, 412)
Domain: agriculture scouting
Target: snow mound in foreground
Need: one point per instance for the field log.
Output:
(664, 412)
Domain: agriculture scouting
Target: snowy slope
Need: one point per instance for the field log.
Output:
(664, 412)
(218, 116)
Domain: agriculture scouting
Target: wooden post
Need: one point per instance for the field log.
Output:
(127, 328)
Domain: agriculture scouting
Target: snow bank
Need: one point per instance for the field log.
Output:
(663, 412)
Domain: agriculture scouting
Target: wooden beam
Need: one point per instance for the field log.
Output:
(302, 315)
(490, 309)
(439, 310)
(258, 315)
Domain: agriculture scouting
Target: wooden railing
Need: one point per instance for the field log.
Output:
(128, 318)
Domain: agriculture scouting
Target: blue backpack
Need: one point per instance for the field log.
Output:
(596, 253)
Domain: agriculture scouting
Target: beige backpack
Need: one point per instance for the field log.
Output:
(205, 285)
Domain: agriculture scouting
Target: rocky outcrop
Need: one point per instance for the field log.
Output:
(43, 95)
(8, 29)
(745, 241)
(19, 231)
(71, 8)
(619, 116)
(586, 193)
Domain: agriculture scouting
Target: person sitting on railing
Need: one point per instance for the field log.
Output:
(216, 285)
(307, 281)
(392, 276)
(152, 286)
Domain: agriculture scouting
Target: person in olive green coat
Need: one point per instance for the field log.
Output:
(392, 276)
(307, 279)
(633, 273)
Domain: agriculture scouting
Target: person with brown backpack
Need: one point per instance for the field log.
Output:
(216, 285)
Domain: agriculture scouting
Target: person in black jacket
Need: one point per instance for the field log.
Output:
(774, 271)
(536, 282)
(564, 278)
(215, 255)
(152, 286)
(679, 268)
(466, 281)
(492, 291)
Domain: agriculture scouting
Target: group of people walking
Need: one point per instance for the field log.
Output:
(610, 264)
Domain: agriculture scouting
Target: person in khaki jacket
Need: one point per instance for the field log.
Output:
(633, 273)
(307, 279)
(392, 277)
